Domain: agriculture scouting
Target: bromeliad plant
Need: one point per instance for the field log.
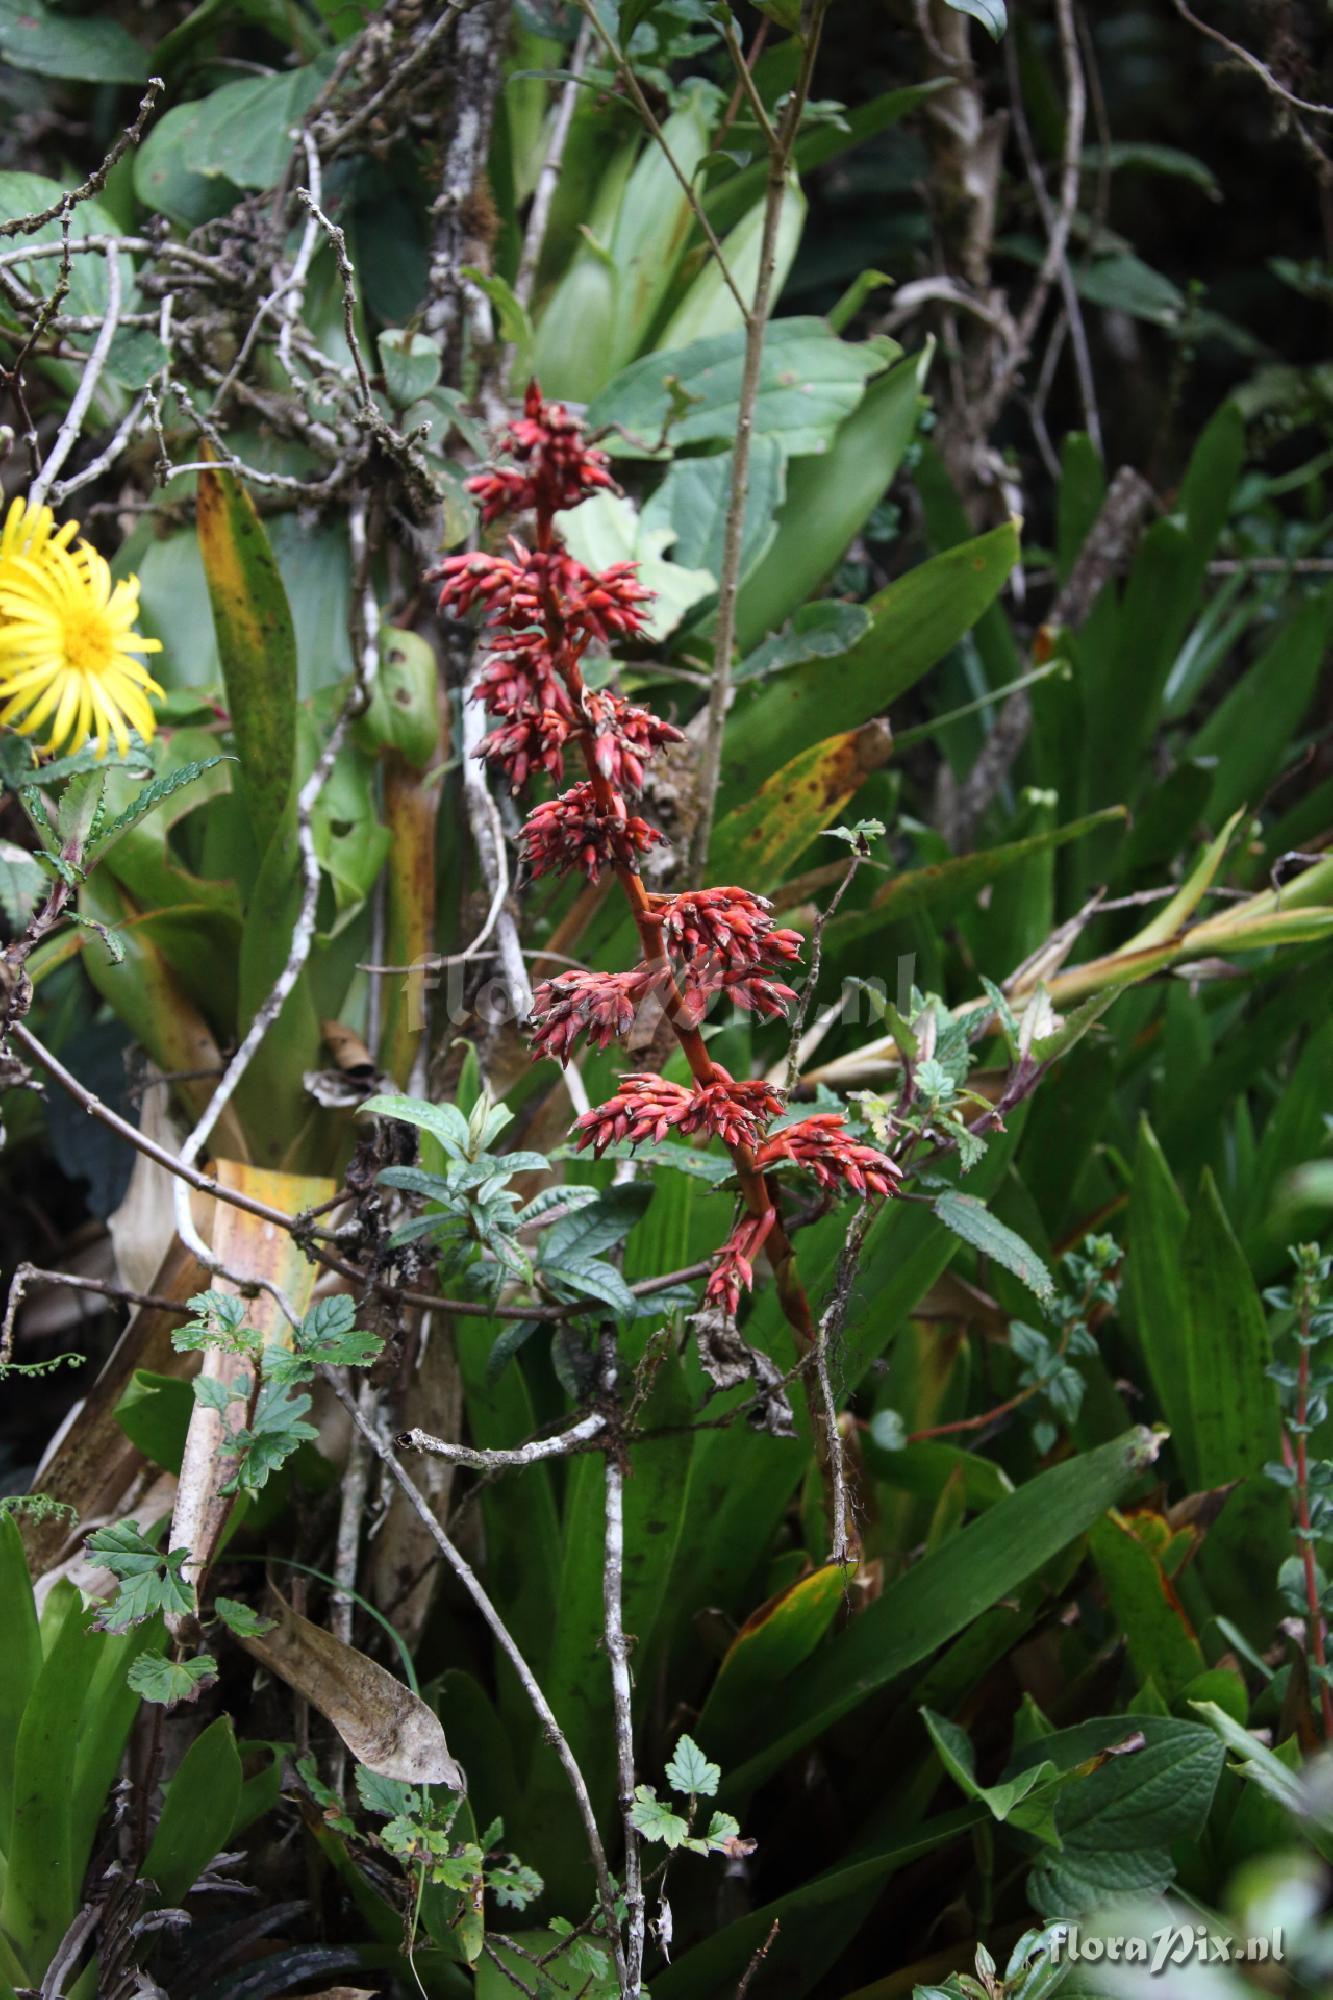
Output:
(544, 610)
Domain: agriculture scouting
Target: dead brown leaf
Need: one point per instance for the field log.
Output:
(385, 1726)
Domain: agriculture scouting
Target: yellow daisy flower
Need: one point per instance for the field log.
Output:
(30, 531)
(68, 645)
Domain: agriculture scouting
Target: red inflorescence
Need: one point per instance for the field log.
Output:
(623, 737)
(523, 590)
(533, 740)
(646, 1106)
(730, 925)
(823, 1145)
(601, 1005)
(543, 609)
(570, 832)
(757, 992)
(558, 468)
(522, 677)
(733, 1268)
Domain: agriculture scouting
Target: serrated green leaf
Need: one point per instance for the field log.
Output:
(972, 1220)
(168, 1681)
(150, 796)
(241, 1619)
(690, 1771)
(149, 1579)
(655, 1819)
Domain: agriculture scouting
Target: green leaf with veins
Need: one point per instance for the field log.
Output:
(241, 1619)
(149, 1580)
(655, 1820)
(277, 1430)
(690, 1771)
(169, 1681)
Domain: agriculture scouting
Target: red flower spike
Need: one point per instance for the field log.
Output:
(519, 590)
(624, 737)
(757, 992)
(559, 470)
(733, 1268)
(532, 741)
(731, 925)
(646, 1106)
(522, 677)
(570, 832)
(601, 1005)
(823, 1145)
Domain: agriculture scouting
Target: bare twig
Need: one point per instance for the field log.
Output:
(555, 1736)
(843, 1539)
(1251, 62)
(617, 1648)
(548, 176)
(21, 225)
(756, 315)
(68, 433)
(26, 1274)
(577, 1438)
(794, 1056)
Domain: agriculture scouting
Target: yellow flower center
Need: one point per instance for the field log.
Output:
(88, 640)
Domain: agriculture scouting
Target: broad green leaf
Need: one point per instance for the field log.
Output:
(403, 715)
(1233, 1417)
(412, 365)
(80, 48)
(759, 843)
(1011, 1799)
(27, 194)
(1157, 1631)
(809, 381)
(242, 132)
(606, 529)
(653, 224)
(972, 1220)
(1259, 1764)
(693, 500)
(1117, 1824)
(198, 1811)
(939, 1595)
(23, 1660)
(256, 644)
(709, 306)
(1128, 155)
(40, 1891)
(915, 622)
(771, 1644)
(818, 631)
(830, 497)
